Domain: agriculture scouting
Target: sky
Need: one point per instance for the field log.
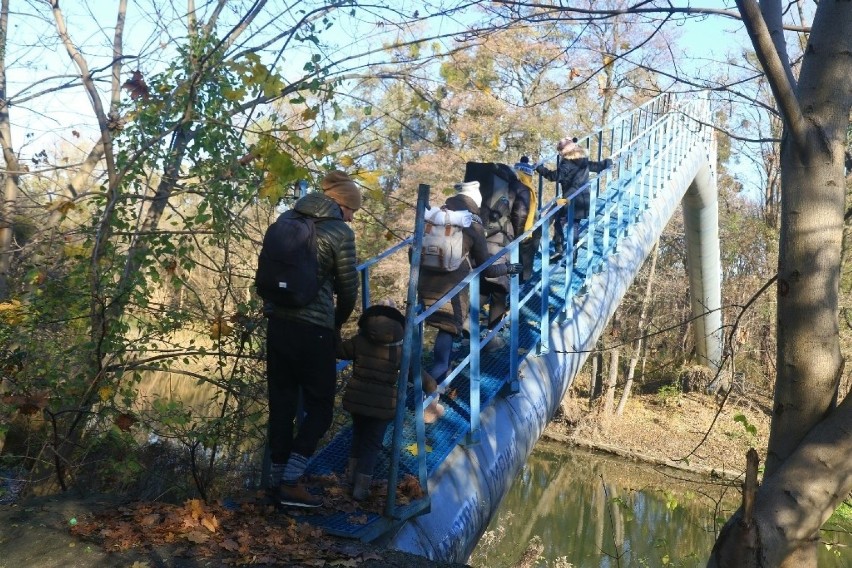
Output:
(37, 63)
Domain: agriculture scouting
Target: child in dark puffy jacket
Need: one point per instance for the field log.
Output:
(572, 174)
(370, 395)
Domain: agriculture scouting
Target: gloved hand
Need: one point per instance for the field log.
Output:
(607, 163)
(540, 169)
(514, 268)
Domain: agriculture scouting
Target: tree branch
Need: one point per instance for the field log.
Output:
(587, 13)
(777, 73)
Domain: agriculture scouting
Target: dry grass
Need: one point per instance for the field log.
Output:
(692, 430)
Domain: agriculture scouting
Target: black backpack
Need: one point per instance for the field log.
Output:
(494, 181)
(287, 267)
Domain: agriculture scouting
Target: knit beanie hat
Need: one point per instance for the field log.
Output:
(566, 145)
(524, 166)
(471, 189)
(340, 187)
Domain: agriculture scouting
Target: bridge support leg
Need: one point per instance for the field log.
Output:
(701, 224)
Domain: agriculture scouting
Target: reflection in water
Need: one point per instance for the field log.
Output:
(596, 511)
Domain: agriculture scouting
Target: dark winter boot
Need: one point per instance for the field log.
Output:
(361, 489)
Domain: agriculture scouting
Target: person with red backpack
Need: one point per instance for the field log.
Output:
(302, 327)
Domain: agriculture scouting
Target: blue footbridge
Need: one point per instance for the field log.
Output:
(498, 402)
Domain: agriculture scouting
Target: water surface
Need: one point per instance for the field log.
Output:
(583, 510)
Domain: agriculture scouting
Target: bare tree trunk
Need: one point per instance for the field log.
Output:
(609, 396)
(809, 461)
(596, 375)
(593, 377)
(11, 177)
(617, 518)
(98, 323)
(642, 328)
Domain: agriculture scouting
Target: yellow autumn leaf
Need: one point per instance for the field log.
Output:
(74, 251)
(12, 312)
(220, 328)
(12, 305)
(412, 449)
(608, 59)
(346, 161)
(369, 178)
(270, 189)
(62, 206)
(105, 393)
(211, 523)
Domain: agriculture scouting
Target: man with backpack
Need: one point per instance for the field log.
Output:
(307, 259)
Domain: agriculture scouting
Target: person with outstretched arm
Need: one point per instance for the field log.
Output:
(572, 174)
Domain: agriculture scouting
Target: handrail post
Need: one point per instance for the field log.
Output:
(407, 341)
(540, 195)
(544, 314)
(512, 385)
(601, 143)
(656, 154)
(419, 424)
(570, 262)
(475, 347)
(590, 230)
(365, 288)
(595, 192)
(638, 195)
(627, 159)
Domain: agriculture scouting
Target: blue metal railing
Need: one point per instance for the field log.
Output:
(646, 145)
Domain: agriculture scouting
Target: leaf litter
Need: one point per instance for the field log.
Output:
(252, 532)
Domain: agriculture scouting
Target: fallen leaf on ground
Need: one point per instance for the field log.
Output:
(197, 537)
(210, 523)
(412, 449)
(229, 545)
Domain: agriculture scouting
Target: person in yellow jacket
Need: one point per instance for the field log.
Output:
(524, 215)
